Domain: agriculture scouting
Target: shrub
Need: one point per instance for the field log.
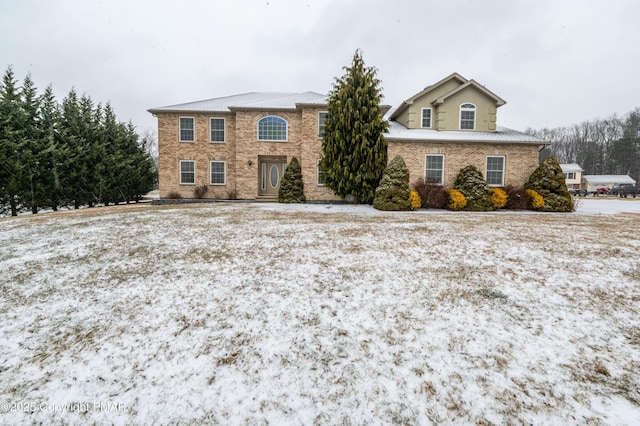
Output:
(393, 191)
(475, 189)
(457, 200)
(432, 195)
(548, 180)
(498, 198)
(232, 194)
(537, 201)
(200, 191)
(414, 200)
(517, 198)
(292, 187)
(174, 195)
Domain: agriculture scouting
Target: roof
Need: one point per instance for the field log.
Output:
(502, 135)
(571, 167)
(464, 83)
(608, 179)
(252, 100)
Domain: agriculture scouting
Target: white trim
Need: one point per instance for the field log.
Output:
(180, 172)
(475, 115)
(286, 130)
(441, 173)
(422, 126)
(211, 172)
(504, 169)
(321, 112)
(224, 129)
(180, 129)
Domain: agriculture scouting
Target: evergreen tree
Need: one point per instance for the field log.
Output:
(355, 151)
(548, 180)
(33, 173)
(475, 189)
(393, 191)
(292, 186)
(48, 124)
(11, 173)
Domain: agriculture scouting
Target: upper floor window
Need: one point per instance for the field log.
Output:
(217, 129)
(434, 169)
(570, 175)
(322, 116)
(187, 129)
(272, 128)
(495, 170)
(467, 117)
(426, 118)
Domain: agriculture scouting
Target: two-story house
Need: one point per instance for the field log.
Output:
(239, 146)
(572, 175)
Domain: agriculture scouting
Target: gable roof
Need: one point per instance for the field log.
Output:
(472, 83)
(464, 83)
(571, 167)
(252, 100)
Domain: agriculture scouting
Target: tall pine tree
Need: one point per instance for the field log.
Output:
(354, 148)
(11, 132)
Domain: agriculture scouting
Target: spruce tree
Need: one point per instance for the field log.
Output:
(475, 189)
(548, 180)
(354, 148)
(11, 173)
(292, 186)
(393, 191)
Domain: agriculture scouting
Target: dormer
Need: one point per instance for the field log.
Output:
(453, 103)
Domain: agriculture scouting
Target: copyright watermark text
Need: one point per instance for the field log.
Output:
(72, 407)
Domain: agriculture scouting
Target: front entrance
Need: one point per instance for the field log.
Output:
(271, 170)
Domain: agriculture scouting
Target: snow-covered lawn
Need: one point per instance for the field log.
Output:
(256, 314)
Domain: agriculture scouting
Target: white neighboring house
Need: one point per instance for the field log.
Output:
(591, 182)
(572, 175)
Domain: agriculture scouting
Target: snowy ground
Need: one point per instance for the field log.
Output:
(256, 314)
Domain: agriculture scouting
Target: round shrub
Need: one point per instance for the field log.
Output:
(537, 202)
(292, 187)
(475, 189)
(517, 198)
(432, 195)
(548, 180)
(457, 200)
(393, 191)
(498, 198)
(414, 200)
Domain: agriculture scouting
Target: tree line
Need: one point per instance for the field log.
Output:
(73, 153)
(609, 146)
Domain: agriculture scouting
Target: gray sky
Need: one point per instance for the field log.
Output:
(555, 62)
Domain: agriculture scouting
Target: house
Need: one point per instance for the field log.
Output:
(572, 175)
(239, 146)
(591, 182)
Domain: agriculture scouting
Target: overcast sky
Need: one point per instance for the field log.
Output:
(555, 62)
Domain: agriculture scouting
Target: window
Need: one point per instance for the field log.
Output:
(434, 169)
(495, 171)
(217, 129)
(467, 117)
(218, 175)
(570, 175)
(322, 116)
(187, 172)
(319, 174)
(272, 129)
(186, 129)
(426, 117)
